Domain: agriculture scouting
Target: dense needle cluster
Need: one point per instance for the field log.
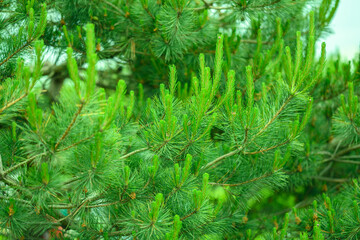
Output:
(215, 132)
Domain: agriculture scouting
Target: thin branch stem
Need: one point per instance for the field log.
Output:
(17, 51)
(1, 165)
(114, 6)
(265, 5)
(327, 179)
(207, 6)
(15, 199)
(78, 208)
(219, 159)
(189, 215)
(134, 152)
(268, 149)
(253, 138)
(77, 143)
(274, 117)
(242, 183)
(347, 161)
(3, 174)
(70, 125)
(352, 148)
(343, 152)
(12, 103)
(90, 206)
(149, 13)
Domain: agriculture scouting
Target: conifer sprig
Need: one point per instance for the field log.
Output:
(33, 34)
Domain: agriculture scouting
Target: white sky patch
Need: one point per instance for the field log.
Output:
(346, 30)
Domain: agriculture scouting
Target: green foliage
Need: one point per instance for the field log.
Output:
(147, 36)
(29, 19)
(206, 156)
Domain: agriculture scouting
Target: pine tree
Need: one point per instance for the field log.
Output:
(228, 126)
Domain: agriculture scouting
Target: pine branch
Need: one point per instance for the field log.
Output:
(242, 183)
(105, 204)
(17, 51)
(73, 213)
(134, 152)
(243, 7)
(266, 5)
(236, 151)
(16, 199)
(91, 136)
(206, 3)
(343, 152)
(114, 6)
(81, 205)
(273, 118)
(9, 182)
(77, 143)
(254, 41)
(219, 159)
(3, 174)
(328, 179)
(119, 10)
(189, 215)
(12, 103)
(1, 165)
(347, 161)
(212, 7)
(230, 175)
(70, 125)
(149, 13)
(89, 206)
(267, 149)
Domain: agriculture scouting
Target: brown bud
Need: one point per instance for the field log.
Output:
(276, 224)
(245, 219)
(37, 210)
(11, 210)
(299, 168)
(133, 195)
